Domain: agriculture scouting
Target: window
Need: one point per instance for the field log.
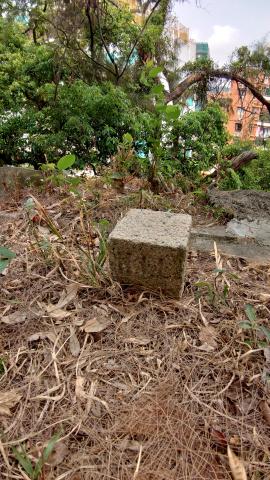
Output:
(238, 127)
(242, 92)
(240, 113)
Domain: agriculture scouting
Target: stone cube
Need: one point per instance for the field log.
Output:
(149, 249)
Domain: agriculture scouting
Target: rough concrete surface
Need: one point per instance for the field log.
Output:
(12, 177)
(249, 204)
(230, 243)
(149, 248)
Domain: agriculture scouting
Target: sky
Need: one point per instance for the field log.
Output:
(225, 24)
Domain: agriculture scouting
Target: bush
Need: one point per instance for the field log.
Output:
(86, 120)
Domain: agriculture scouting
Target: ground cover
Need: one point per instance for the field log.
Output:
(134, 385)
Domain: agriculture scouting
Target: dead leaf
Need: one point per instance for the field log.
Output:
(43, 231)
(59, 453)
(206, 348)
(138, 340)
(236, 465)
(8, 400)
(265, 409)
(218, 437)
(57, 313)
(74, 344)
(95, 325)
(207, 336)
(235, 440)
(132, 445)
(14, 318)
(79, 390)
(41, 336)
(68, 295)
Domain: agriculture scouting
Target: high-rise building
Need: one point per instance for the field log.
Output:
(202, 50)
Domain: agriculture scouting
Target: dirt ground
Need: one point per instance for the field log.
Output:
(135, 385)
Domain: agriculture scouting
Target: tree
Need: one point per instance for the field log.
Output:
(198, 137)
(248, 68)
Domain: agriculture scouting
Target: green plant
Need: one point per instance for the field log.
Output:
(261, 334)
(2, 366)
(35, 472)
(123, 163)
(6, 256)
(56, 173)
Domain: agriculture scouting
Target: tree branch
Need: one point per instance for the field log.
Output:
(88, 15)
(199, 76)
(139, 37)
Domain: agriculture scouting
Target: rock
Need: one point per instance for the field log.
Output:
(231, 241)
(149, 249)
(249, 204)
(257, 229)
(18, 177)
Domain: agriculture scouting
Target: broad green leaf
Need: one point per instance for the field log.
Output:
(25, 462)
(3, 265)
(127, 138)
(265, 331)
(172, 112)
(250, 312)
(245, 325)
(157, 89)
(5, 253)
(66, 162)
(161, 108)
(154, 72)
(48, 167)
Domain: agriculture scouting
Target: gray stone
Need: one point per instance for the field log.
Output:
(18, 177)
(149, 249)
(229, 242)
(249, 204)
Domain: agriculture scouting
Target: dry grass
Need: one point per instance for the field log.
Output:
(161, 391)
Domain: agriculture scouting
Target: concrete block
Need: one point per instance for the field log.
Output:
(149, 249)
(18, 177)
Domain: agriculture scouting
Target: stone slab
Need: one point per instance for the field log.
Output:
(14, 177)
(149, 248)
(230, 244)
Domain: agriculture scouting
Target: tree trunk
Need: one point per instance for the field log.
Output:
(235, 163)
(243, 159)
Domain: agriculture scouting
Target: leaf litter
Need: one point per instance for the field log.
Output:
(138, 385)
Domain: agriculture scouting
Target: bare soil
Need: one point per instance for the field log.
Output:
(136, 385)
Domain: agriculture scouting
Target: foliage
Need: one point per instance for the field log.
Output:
(35, 472)
(197, 137)
(261, 334)
(86, 120)
(6, 255)
(254, 175)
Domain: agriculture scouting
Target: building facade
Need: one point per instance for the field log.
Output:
(247, 118)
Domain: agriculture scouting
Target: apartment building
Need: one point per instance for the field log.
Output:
(247, 118)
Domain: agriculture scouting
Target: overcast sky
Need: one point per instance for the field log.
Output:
(225, 24)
